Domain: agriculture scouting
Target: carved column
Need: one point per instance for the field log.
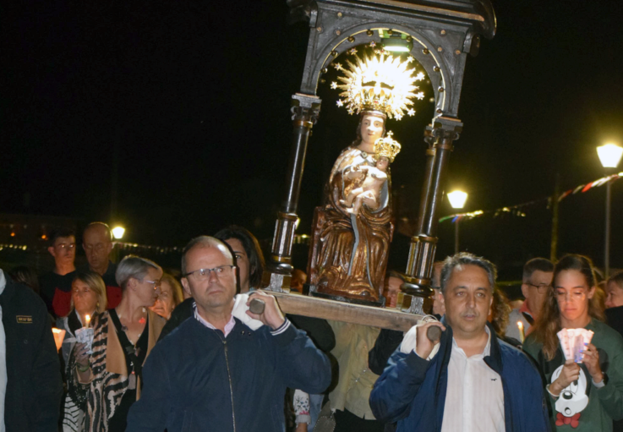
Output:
(424, 244)
(305, 110)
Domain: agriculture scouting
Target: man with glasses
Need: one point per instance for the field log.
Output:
(97, 244)
(537, 278)
(225, 368)
(56, 285)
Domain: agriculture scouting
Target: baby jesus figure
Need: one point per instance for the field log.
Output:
(370, 190)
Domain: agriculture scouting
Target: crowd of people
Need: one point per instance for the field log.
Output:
(141, 349)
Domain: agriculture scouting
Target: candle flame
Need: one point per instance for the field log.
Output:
(519, 325)
(59, 335)
(87, 318)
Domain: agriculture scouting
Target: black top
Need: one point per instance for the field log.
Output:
(134, 362)
(32, 362)
(614, 318)
(56, 292)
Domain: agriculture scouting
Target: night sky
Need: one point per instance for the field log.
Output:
(195, 96)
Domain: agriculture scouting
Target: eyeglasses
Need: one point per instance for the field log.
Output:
(539, 287)
(66, 246)
(202, 275)
(156, 284)
(575, 296)
(85, 290)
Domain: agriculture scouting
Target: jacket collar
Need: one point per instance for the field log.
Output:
(493, 360)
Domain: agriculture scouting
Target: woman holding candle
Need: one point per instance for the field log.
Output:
(109, 379)
(88, 297)
(585, 396)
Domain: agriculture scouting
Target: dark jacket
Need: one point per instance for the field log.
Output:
(317, 329)
(197, 380)
(34, 387)
(412, 390)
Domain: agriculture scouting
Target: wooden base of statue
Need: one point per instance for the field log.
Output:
(335, 256)
(346, 312)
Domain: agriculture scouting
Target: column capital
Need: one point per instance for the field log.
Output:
(305, 109)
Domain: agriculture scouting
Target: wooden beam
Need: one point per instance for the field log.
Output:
(347, 312)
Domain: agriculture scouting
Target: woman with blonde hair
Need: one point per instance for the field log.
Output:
(587, 394)
(88, 298)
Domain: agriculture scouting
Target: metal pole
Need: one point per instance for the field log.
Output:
(555, 210)
(305, 110)
(607, 242)
(456, 237)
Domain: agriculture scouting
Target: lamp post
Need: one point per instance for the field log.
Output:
(610, 156)
(457, 200)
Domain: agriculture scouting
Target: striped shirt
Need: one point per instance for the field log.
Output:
(474, 397)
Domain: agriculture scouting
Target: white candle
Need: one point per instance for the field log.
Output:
(87, 318)
(522, 335)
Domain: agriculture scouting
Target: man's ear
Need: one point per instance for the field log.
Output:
(525, 290)
(186, 286)
(440, 297)
(52, 251)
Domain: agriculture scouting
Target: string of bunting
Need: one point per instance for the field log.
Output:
(517, 209)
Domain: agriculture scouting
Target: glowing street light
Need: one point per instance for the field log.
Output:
(609, 156)
(117, 232)
(457, 200)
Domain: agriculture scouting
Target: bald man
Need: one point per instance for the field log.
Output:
(97, 244)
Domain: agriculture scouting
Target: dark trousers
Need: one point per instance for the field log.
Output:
(345, 421)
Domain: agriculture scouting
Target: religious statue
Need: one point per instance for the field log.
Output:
(353, 229)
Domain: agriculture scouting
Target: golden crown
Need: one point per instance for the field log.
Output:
(382, 83)
(387, 147)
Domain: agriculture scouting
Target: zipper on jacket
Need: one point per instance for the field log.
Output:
(231, 388)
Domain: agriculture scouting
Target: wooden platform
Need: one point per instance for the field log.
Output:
(347, 312)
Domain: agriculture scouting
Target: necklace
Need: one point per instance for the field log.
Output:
(141, 320)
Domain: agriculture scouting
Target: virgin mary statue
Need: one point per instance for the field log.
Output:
(353, 229)
(349, 256)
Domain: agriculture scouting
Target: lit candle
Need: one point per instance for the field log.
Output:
(522, 335)
(87, 318)
(59, 335)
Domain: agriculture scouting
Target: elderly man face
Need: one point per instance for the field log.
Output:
(467, 297)
(97, 247)
(535, 289)
(215, 289)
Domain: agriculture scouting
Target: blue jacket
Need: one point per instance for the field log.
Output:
(412, 390)
(197, 380)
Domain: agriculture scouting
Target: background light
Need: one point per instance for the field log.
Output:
(396, 44)
(610, 155)
(117, 232)
(457, 199)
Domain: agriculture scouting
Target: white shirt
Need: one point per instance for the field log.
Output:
(474, 397)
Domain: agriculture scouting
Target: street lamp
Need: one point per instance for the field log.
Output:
(117, 232)
(610, 156)
(457, 200)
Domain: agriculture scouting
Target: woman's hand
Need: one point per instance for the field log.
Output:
(591, 360)
(82, 355)
(570, 372)
(301, 427)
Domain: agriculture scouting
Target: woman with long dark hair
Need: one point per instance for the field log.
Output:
(586, 395)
